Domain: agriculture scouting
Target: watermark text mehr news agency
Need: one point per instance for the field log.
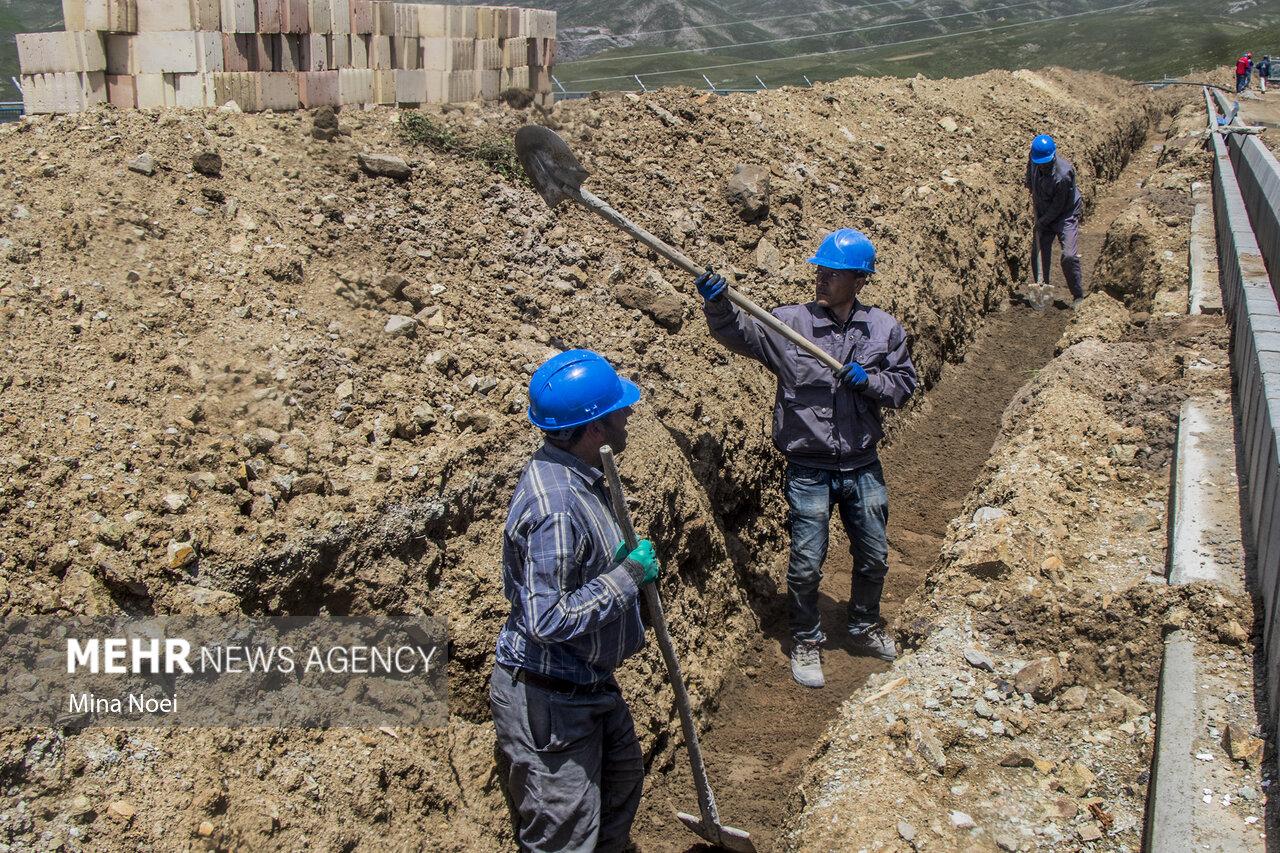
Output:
(138, 656)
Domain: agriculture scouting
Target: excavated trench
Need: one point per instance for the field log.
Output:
(404, 506)
(760, 730)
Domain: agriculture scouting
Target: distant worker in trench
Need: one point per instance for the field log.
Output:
(1058, 207)
(576, 768)
(827, 425)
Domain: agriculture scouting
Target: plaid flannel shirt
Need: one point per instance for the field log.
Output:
(575, 612)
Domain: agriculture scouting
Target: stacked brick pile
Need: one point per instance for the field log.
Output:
(283, 54)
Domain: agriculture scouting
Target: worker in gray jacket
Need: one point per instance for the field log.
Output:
(827, 425)
(1058, 207)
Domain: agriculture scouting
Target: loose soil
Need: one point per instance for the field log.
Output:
(760, 737)
(293, 383)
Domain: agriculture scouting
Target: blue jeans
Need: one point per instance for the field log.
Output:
(863, 500)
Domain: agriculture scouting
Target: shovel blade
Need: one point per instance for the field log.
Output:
(725, 837)
(552, 169)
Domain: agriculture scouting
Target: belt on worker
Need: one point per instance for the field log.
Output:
(559, 685)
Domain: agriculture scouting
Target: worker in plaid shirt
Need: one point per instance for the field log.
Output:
(576, 768)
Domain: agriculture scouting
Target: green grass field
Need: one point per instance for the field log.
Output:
(1177, 38)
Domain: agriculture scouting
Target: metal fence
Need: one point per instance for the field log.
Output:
(10, 111)
(1246, 192)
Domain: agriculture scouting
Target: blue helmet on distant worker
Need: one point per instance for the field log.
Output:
(846, 249)
(577, 387)
(1042, 149)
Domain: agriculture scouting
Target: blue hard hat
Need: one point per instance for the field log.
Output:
(577, 387)
(1043, 148)
(846, 249)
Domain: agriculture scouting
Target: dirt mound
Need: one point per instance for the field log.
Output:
(310, 370)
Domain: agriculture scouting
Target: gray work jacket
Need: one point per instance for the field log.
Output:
(1054, 193)
(818, 421)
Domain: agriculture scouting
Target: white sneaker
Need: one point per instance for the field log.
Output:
(874, 642)
(806, 665)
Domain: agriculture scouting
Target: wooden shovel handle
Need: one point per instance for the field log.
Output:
(706, 800)
(593, 203)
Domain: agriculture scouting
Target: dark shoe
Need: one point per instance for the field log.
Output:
(806, 665)
(873, 642)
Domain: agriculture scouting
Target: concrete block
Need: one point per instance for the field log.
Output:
(315, 52)
(515, 52)
(278, 91)
(461, 23)
(119, 52)
(546, 24)
(355, 85)
(290, 53)
(406, 20)
(206, 15)
(546, 100)
(509, 22)
(411, 87)
(537, 55)
(433, 21)
(240, 87)
(164, 15)
(193, 91)
(63, 92)
(73, 15)
(339, 51)
(295, 16)
(270, 17)
(362, 17)
(540, 79)
(321, 17)
(488, 55)
(150, 91)
(42, 53)
(340, 13)
(360, 50)
(209, 56)
(267, 47)
(384, 17)
(239, 16)
(380, 53)
(448, 54)
(319, 89)
(515, 78)
(486, 22)
(551, 53)
(239, 53)
(406, 53)
(384, 86)
(112, 16)
(462, 86)
(122, 91)
(487, 84)
(165, 52)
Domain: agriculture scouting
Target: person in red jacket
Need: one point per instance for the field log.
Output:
(1244, 69)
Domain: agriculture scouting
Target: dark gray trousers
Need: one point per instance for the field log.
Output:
(576, 765)
(1067, 236)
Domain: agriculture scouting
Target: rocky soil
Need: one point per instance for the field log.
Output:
(248, 364)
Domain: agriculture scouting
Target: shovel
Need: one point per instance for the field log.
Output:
(557, 175)
(1037, 293)
(709, 826)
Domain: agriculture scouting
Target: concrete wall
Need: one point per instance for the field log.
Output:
(1249, 300)
(176, 53)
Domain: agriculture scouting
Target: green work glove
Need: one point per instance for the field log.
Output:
(644, 555)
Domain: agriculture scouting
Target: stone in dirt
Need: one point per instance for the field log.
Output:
(1041, 678)
(384, 165)
(1240, 745)
(208, 163)
(748, 191)
(143, 164)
